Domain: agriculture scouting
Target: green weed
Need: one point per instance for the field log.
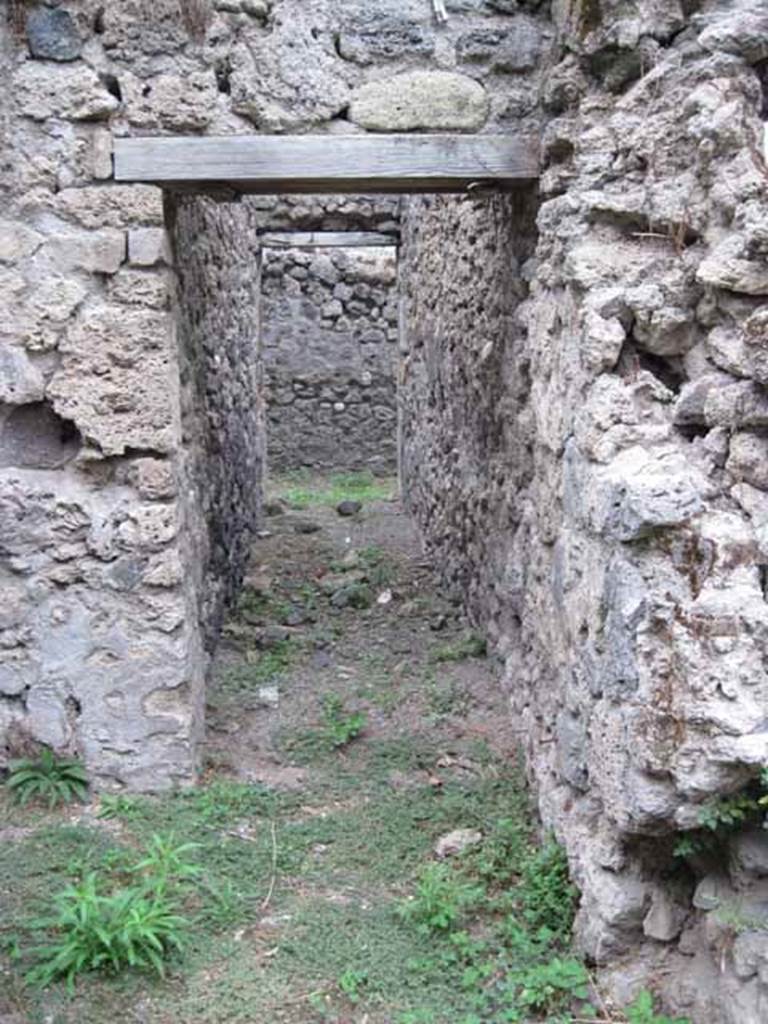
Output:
(104, 924)
(340, 726)
(641, 1011)
(547, 899)
(469, 646)
(48, 779)
(441, 898)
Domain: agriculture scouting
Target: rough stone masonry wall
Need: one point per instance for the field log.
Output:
(329, 331)
(218, 261)
(628, 559)
(101, 524)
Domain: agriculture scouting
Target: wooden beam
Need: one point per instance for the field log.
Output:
(325, 239)
(329, 163)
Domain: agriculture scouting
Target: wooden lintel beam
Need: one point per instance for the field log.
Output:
(325, 239)
(329, 163)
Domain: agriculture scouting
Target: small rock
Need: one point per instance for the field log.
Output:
(271, 636)
(456, 842)
(306, 526)
(710, 892)
(438, 622)
(348, 507)
(268, 696)
(321, 659)
(353, 595)
(664, 921)
(256, 8)
(298, 615)
(53, 35)
(384, 597)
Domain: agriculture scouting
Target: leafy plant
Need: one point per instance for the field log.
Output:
(547, 897)
(98, 927)
(131, 927)
(720, 818)
(440, 900)
(641, 1011)
(340, 727)
(552, 986)
(48, 779)
(469, 646)
(350, 983)
(118, 805)
(164, 864)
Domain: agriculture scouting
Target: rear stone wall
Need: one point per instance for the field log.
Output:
(615, 539)
(329, 330)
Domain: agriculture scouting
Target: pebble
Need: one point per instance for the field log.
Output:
(306, 526)
(348, 507)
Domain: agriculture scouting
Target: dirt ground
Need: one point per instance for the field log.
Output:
(401, 660)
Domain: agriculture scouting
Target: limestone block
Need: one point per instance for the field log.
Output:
(742, 32)
(727, 267)
(711, 892)
(116, 379)
(73, 92)
(756, 341)
(379, 35)
(154, 478)
(750, 954)
(139, 288)
(602, 341)
(100, 157)
(47, 717)
(748, 459)
(727, 349)
(115, 206)
(16, 675)
(17, 241)
(292, 78)
(99, 252)
(640, 491)
(749, 854)
(665, 918)
(20, 381)
(621, 901)
(660, 326)
(426, 100)
(148, 247)
(514, 48)
(46, 309)
(171, 102)
(53, 35)
(164, 570)
(571, 731)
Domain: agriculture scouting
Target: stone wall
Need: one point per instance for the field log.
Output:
(329, 331)
(624, 575)
(104, 523)
(218, 261)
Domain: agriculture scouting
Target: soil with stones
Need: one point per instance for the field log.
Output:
(350, 610)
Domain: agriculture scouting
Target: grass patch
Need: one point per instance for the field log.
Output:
(261, 668)
(302, 490)
(469, 646)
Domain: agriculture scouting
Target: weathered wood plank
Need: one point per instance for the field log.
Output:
(325, 239)
(329, 163)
